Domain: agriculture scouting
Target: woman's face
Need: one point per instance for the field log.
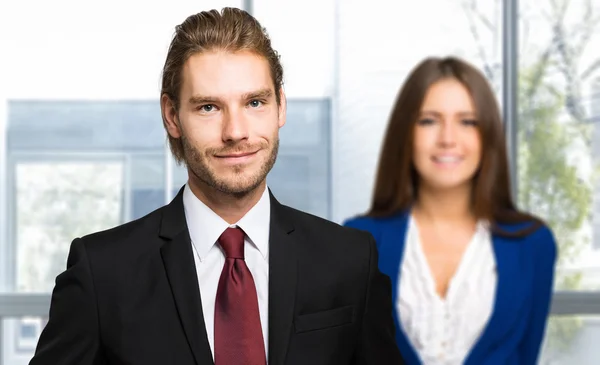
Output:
(447, 142)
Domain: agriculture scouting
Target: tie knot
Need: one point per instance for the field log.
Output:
(232, 242)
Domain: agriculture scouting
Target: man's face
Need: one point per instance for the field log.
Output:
(229, 120)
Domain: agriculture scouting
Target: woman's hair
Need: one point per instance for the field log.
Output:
(397, 180)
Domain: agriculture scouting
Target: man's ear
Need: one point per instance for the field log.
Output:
(169, 115)
(282, 107)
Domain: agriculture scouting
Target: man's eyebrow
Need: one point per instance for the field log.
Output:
(259, 94)
(206, 99)
(201, 99)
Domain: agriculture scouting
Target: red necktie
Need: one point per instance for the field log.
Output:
(238, 333)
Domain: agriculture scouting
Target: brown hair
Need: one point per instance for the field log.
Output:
(231, 30)
(397, 180)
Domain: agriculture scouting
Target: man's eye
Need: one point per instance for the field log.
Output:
(255, 103)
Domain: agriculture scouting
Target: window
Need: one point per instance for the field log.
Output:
(56, 202)
(69, 176)
(82, 146)
(557, 155)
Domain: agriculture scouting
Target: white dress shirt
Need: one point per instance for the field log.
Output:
(444, 330)
(205, 228)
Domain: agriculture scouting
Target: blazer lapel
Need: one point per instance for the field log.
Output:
(391, 253)
(282, 282)
(179, 265)
(509, 265)
(391, 249)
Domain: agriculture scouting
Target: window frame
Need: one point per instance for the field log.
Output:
(570, 302)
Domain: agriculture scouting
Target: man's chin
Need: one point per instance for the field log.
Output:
(238, 187)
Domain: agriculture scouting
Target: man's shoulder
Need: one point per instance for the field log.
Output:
(127, 236)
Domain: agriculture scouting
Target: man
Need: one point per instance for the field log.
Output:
(224, 274)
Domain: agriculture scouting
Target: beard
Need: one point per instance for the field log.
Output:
(241, 179)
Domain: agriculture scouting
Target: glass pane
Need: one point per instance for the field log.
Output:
(75, 152)
(147, 184)
(178, 176)
(301, 176)
(19, 338)
(55, 203)
(377, 45)
(572, 340)
(559, 133)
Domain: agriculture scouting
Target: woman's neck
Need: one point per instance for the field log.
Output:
(444, 205)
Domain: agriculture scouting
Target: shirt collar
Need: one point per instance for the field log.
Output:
(205, 226)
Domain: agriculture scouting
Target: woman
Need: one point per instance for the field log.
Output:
(471, 275)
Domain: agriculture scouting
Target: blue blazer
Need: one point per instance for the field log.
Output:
(525, 269)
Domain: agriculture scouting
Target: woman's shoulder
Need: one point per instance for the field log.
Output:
(365, 221)
(544, 241)
(537, 234)
(362, 222)
(542, 249)
(357, 220)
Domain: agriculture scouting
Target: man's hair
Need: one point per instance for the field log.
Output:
(231, 30)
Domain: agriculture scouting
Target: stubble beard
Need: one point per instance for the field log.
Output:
(236, 184)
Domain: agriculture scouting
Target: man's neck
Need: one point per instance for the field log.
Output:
(227, 206)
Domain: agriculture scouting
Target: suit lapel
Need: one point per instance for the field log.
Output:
(179, 265)
(282, 282)
(508, 256)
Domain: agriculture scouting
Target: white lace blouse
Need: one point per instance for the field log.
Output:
(443, 331)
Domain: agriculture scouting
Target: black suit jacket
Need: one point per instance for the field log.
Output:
(130, 296)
